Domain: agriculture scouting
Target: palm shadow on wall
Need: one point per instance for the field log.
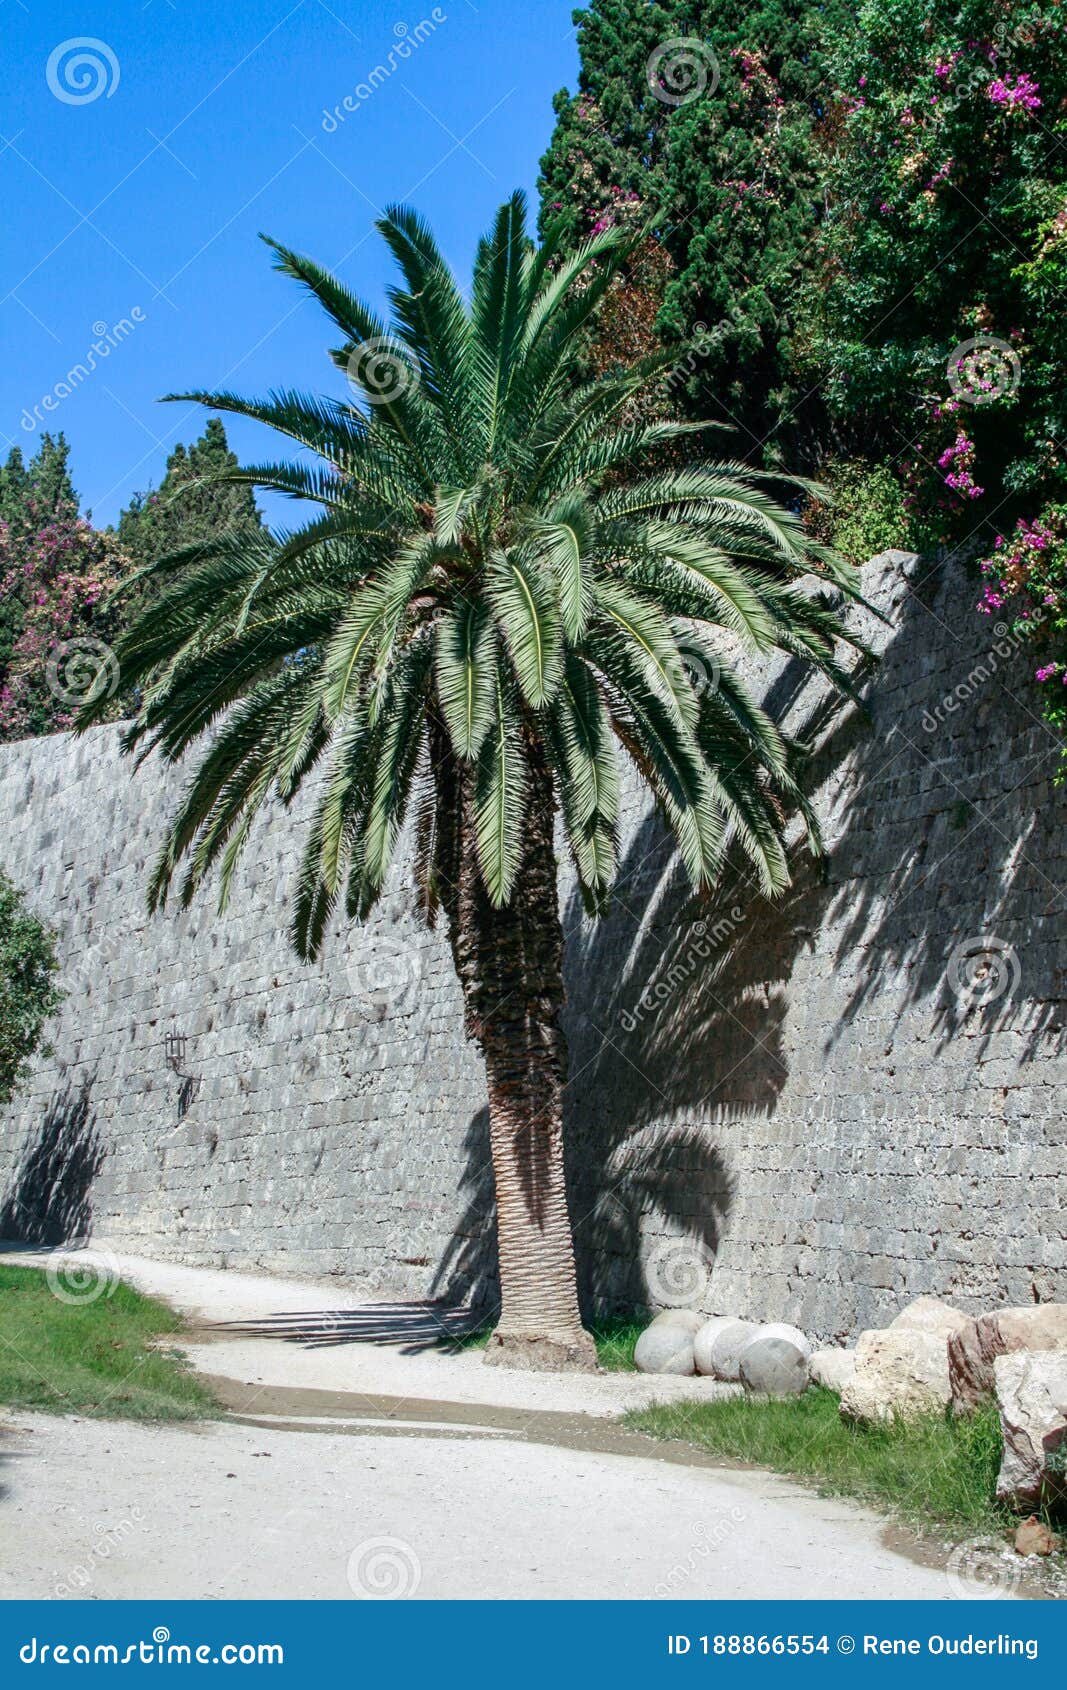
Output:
(948, 867)
(49, 1200)
(921, 827)
(674, 1009)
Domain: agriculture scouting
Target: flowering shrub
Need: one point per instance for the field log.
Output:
(940, 330)
(62, 574)
(1025, 576)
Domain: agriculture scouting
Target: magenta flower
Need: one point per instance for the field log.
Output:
(1020, 95)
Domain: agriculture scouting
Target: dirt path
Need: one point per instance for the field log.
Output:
(355, 1466)
(109, 1509)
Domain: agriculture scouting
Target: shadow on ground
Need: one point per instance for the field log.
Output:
(413, 1326)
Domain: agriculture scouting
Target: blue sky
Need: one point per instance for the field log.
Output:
(144, 202)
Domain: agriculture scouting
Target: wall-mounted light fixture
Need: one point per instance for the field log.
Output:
(175, 1045)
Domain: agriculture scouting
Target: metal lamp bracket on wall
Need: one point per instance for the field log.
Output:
(174, 1048)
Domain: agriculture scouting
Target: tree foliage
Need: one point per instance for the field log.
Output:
(490, 568)
(62, 575)
(58, 574)
(938, 327)
(28, 991)
(193, 502)
(32, 497)
(729, 176)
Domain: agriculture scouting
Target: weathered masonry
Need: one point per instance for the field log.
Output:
(808, 1110)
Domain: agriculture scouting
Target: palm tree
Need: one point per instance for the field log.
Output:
(498, 593)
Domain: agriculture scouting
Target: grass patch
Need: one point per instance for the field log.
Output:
(935, 1469)
(99, 1358)
(614, 1339)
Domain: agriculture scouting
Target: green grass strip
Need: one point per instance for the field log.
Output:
(100, 1356)
(931, 1470)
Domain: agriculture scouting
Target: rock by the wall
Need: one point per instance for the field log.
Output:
(811, 1111)
(1031, 1393)
(974, 1348)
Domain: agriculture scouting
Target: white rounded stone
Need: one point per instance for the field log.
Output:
(664, 1349)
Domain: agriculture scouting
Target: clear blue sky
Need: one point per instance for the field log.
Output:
(151, 196)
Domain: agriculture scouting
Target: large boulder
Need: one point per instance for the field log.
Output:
(664, 1348)
(929, 1314)
(832, 1368)
(725, 1353)
(705, 1338)
(1031, 1393)
(775, 1361)
(974, 1348)
(901, 1372)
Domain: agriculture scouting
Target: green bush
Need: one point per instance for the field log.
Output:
(866, 513)
(936, 314)
(28, 990)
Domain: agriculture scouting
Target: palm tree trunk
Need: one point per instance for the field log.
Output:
(510, 966)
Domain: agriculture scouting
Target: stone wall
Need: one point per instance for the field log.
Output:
(807, 1110)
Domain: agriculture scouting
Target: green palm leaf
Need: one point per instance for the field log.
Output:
(497, 591)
